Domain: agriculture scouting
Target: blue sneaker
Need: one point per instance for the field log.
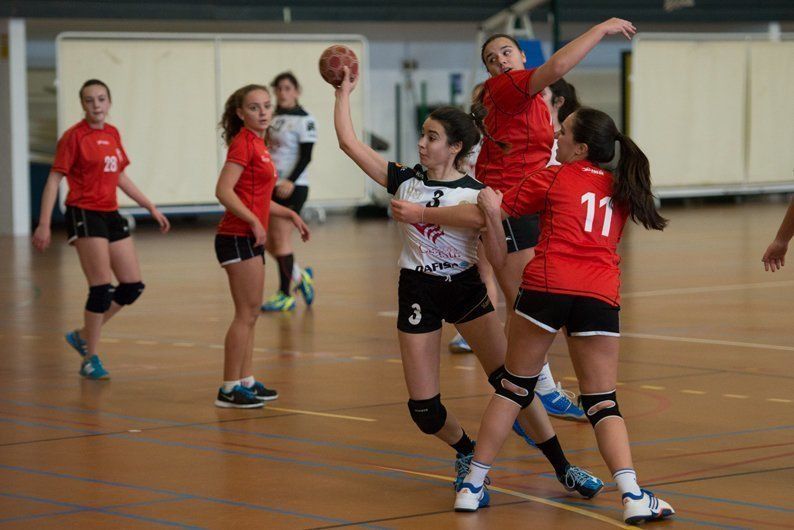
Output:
(459, 345)
(239, 398)
(558, 403)
(306, 285)
(92, 369)
(462, 464)
(262, 393)
(279, 302)
(644, 507)
(582, 481)
(470, 498)
(76, 341)
(520, 431)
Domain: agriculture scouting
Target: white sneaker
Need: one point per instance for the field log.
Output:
(645, 507)
(471, 498)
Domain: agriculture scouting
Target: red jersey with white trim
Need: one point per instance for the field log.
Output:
(92, 160)
(580, 230)
(255, 185)
(520, 119)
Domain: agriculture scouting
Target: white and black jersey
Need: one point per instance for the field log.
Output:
(288, 130)
(430, 248)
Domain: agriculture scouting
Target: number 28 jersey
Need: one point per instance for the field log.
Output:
(580, 229)
(92, 160)
(430, 248)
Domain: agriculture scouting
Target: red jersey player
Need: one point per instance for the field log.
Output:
(519, 141)
(245, 187)
(572, 282)
(92, 159)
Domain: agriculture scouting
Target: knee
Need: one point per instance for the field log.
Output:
(518, 389)
(127, 293)
(99, 298)
(428, 414)
(598, 407)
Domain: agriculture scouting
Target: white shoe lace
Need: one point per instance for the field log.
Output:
(570, 396)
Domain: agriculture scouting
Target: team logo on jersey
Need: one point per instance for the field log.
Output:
(433, 267)
(593, 170)
(431, 232)
(102, 142)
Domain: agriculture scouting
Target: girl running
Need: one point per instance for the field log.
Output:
(91, 157)
(245, 187)
(290, 137)
(439, 278)
(573, 281)
(520, 142)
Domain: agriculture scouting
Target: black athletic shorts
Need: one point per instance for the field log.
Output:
(234, 249)
(425, 299)
(295, 201)
(521, 232)
(91, 223)
(582, 316)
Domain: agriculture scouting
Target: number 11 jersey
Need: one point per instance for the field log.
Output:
(580, 228)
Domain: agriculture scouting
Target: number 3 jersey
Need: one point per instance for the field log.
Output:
(580, 229)
(430, 248)
(92, 160)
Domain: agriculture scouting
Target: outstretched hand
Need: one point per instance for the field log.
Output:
(618, 25)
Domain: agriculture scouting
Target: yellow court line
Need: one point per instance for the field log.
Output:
(539, 500)
(707, 341)
(323, 414)
(184, 344)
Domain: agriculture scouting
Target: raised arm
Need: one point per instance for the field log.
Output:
(363, 155)
(43, 234)
(775, 255)
(462, 215)
(572, 53)
(131, 190)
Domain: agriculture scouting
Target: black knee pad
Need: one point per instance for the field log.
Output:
(428, 414)
(520, 390)
(99, 298)
(127, 293)
(598, 407)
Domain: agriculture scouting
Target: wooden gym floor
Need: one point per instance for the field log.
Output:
(706, 387)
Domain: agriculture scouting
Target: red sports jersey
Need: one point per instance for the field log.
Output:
(255, 185)
(92, 160)
(520, 119)
(580, 230)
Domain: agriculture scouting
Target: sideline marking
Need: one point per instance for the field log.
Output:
(324, 414)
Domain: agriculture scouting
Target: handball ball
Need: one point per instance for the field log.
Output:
(333, 59)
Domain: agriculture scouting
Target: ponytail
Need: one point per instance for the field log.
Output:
(632, 178)
(632, 185)
(230, 121)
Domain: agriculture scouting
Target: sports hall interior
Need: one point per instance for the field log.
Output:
(707, 336)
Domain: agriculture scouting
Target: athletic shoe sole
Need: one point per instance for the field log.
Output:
(227, 405)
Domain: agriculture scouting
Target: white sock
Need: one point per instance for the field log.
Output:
(296, 272)
(248, 382)
(545, 382)
(627, 481)
(477, 473)
(228, 386)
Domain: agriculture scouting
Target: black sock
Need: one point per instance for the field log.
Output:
(285, 264)
(553, 452)
(464, 446)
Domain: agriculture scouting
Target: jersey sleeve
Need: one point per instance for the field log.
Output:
(238, 152)
(529, 195)
(65, 153)
(396, 174)
(307, 134)
(124, 161)
(509, 92)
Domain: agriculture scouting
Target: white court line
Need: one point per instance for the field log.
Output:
(469, 368)
(708, 289)
(707, 341)
(323, 414)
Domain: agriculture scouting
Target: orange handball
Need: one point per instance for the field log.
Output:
(333, 59)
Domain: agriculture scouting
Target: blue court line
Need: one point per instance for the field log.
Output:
(38, 516)
(421, 457)
(48, 426)
(106, 511)
(187, 496)
(674, 518)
